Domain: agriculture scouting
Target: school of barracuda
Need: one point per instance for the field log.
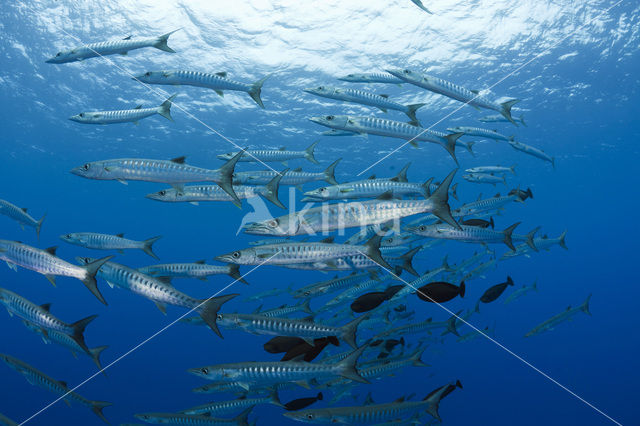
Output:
(364, 307)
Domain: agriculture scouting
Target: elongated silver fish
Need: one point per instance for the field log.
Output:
(47, 263)
(215, 81)
(482, 133)
(332, 285)
(533, 151)
(499, 118)
(232, 406)
(552, 322)
(479, 270)
(289, 177)
(248, 374)
(124, 115)
(541, 243)
(475, 234)
(356, 214)
(521, 292)
(382, 102)
(175, 172)
(421, 327)
(194, 420)
(492, 169)
(94, 240)
(160, 292)
(454, 91)
(390, 128)
(285, 310)
(105, 48)
(199, 270)
(38, 378)
(267, 155)
(20, 215)
(487, 204)
(484, 178)
(44, 320)
(369, 188)
(371, 77)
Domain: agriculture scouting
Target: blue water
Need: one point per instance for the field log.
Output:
(580, 101)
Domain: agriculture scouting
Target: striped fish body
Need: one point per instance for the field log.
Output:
(34, 314)
(373, 77)
(185, 270)
(483, 178)
(291, 253)
(94, 240)
(350, 293)
(414, 328)
(329, 286)
(480, 132)
(470, 234)
(369, 188)
(263, 177)
(227, 407)
(198, 193)
(479, 270)
(498, 118)
(360, 415)
(265, 155)
(19, 215)
(383, 127)
(417, 283)
(349, 263)
(533, 151)
(163, 171)
(264, 325)
(214, 81)
(115, 116)
(38, 260)
(188, 419)
(288, 310)
(358, 97)
(487, 204)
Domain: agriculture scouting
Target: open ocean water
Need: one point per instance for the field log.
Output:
(574, 68)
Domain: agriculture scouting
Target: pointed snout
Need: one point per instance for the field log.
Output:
(394, 71)
(75, 118)
(317, 119)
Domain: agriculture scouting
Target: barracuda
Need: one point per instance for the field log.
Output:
(159, 292)
(193, 420)
(567, 315)
(289, 177)
(521, 292)
(196, 193)
(479, 132)
(94, 240)
(174, 172)
(6, 421)
(369, 188)
(105, 48)
(423, 279)
(267, 155)
(390, 128)
(199, 270)
(542, 243)
(249, 374)
(453, 91)
(499, 118)
(47, 263)
(332, 285)
(474, 234)
(484, 178)
(356, 214)
(38, 378)
(372, 77)
(124, 115)
(423, 326)
(350, 293)
(41, 318)
(493, 203)
(381, 102)
(215, 81)
(288, 310)
(21, 216)
(533, 151)
(492, 169)
(306, 330)
(479, 270)
(226, 407)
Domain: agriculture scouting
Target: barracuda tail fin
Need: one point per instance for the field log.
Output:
(329, 173)
(90, 279)
(402, 174)
(440, 200)
(165, 108)
(95, 355)
(416, 359)
(451, 324)
(161, 43)
(522, 120)
(372, 250)
(234, 272)
(585, 306)
(506, 110)
(242, 419)
(39, 226)
(450, 145)
(305, 307)
(226, 177)
(422, 6)
(469, 146)
(271, 189)
(147, 246)
(561, 241)
(348, 366)
(308, 153)
(407, 260)
(507, 235)
(97, 407)
(426, 188)
(209, 310)
(348, 331)
(445, 264)
(78, 332)
(411, 111)
(274, 398)
(529, 239)
(255, 90)
(454, 191)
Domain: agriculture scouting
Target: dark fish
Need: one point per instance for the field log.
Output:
(372, 300)
(523, 195)
(392, 343)
(309, 351)
(299, 404)
(495, 291)
(480, 223)
(440, 291)
(400, 308)
(376, 342)
(281, 344)
(383, 355)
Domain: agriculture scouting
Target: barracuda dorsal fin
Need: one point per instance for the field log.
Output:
(138, 107)
(179, 160)
(299, 169)
(120, 235)
(219, 93)
(24, 209)
(371, 177)
(199, 262)
(387, 195)
(165, 280)
(477, 92)
(65, 384)
(222, 74)
(327, 240)
(46, 306)
(282, 148)
(51, 250)
(384, 96)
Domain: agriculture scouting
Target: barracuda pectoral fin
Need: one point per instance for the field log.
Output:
(12, 266)
(161, 306)
(220, 93)
(303, 383)
(51, 278)
(194, 203)
(112, 285)
(122, 181)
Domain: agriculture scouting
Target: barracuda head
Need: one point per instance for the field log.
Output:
(311, 416)
(279, 226)
(62, 57)
(85, 117)
(152, 77)
(240, 257)
(227, 321)
(227, 156)
(73, 238)
(354, 78)
(457, 129)
(320, 90)
(334, 121)
(406, 74)
(212, 372)
(95, 170)
(167, 195)
(424, 230)
(326, 192)
(155, 418)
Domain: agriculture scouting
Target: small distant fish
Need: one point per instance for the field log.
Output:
(21, 216)
(121, 47)
(552, 322)
(421, 6)
(440, 291)
(199, 270)
(372, 77)
(493, 292)
(300, 403)
(501, 119)
(483, 205)
(390, 344)
(38, 378)
(370, 301)
(484, 178)
(94, 240)
(535, 152)
(233, 406)
(521, 292)
(296, 177)
(215, 81)
(266, 155)
(522, 194)
(187, 419)
(285, 310)
(124, 116)
(481, 223)
(492, 169)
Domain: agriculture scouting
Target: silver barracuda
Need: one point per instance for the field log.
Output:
(487, 204)
(20, 215)
(484, 178)
(479, 270)
(306, 330)
(194, 194)
(175, 172)
(423, 279)
(492, 169)
(369, 188)
(390, 128)
(382, 102)
(215, 81)
(419, 327)
(517, 294)
(332, 285)
(356, 214)
(289, 177)
(233, 406)
(351, 293)
(567, 315)
(371, 77)
(124, 115)
(533, 151)
(454, 91)
(249, 374)
(199, 270)
(216, 387)
(541, 243)
(194, 420)
(159, 292)
(302, 307)
(38, 378)
(94, 240)
(480, 132)
(268, 155)
(40, 317)
(474, 234)
(121, 47)
(499, 118)
(48, 264)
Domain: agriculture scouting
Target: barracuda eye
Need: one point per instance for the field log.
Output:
(58, 54)
(422, 228)
(219, 317)
(330, 117)
(204, 370)
(148, 73)
(273, 223)
(320, 87)
(163, 192)
(307, 293)
(86, 167)
(81, 114)
(235, 254)
(322, 189)
(407, 71)
(310, 416)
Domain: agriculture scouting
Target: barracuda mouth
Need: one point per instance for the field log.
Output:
(318, 120)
